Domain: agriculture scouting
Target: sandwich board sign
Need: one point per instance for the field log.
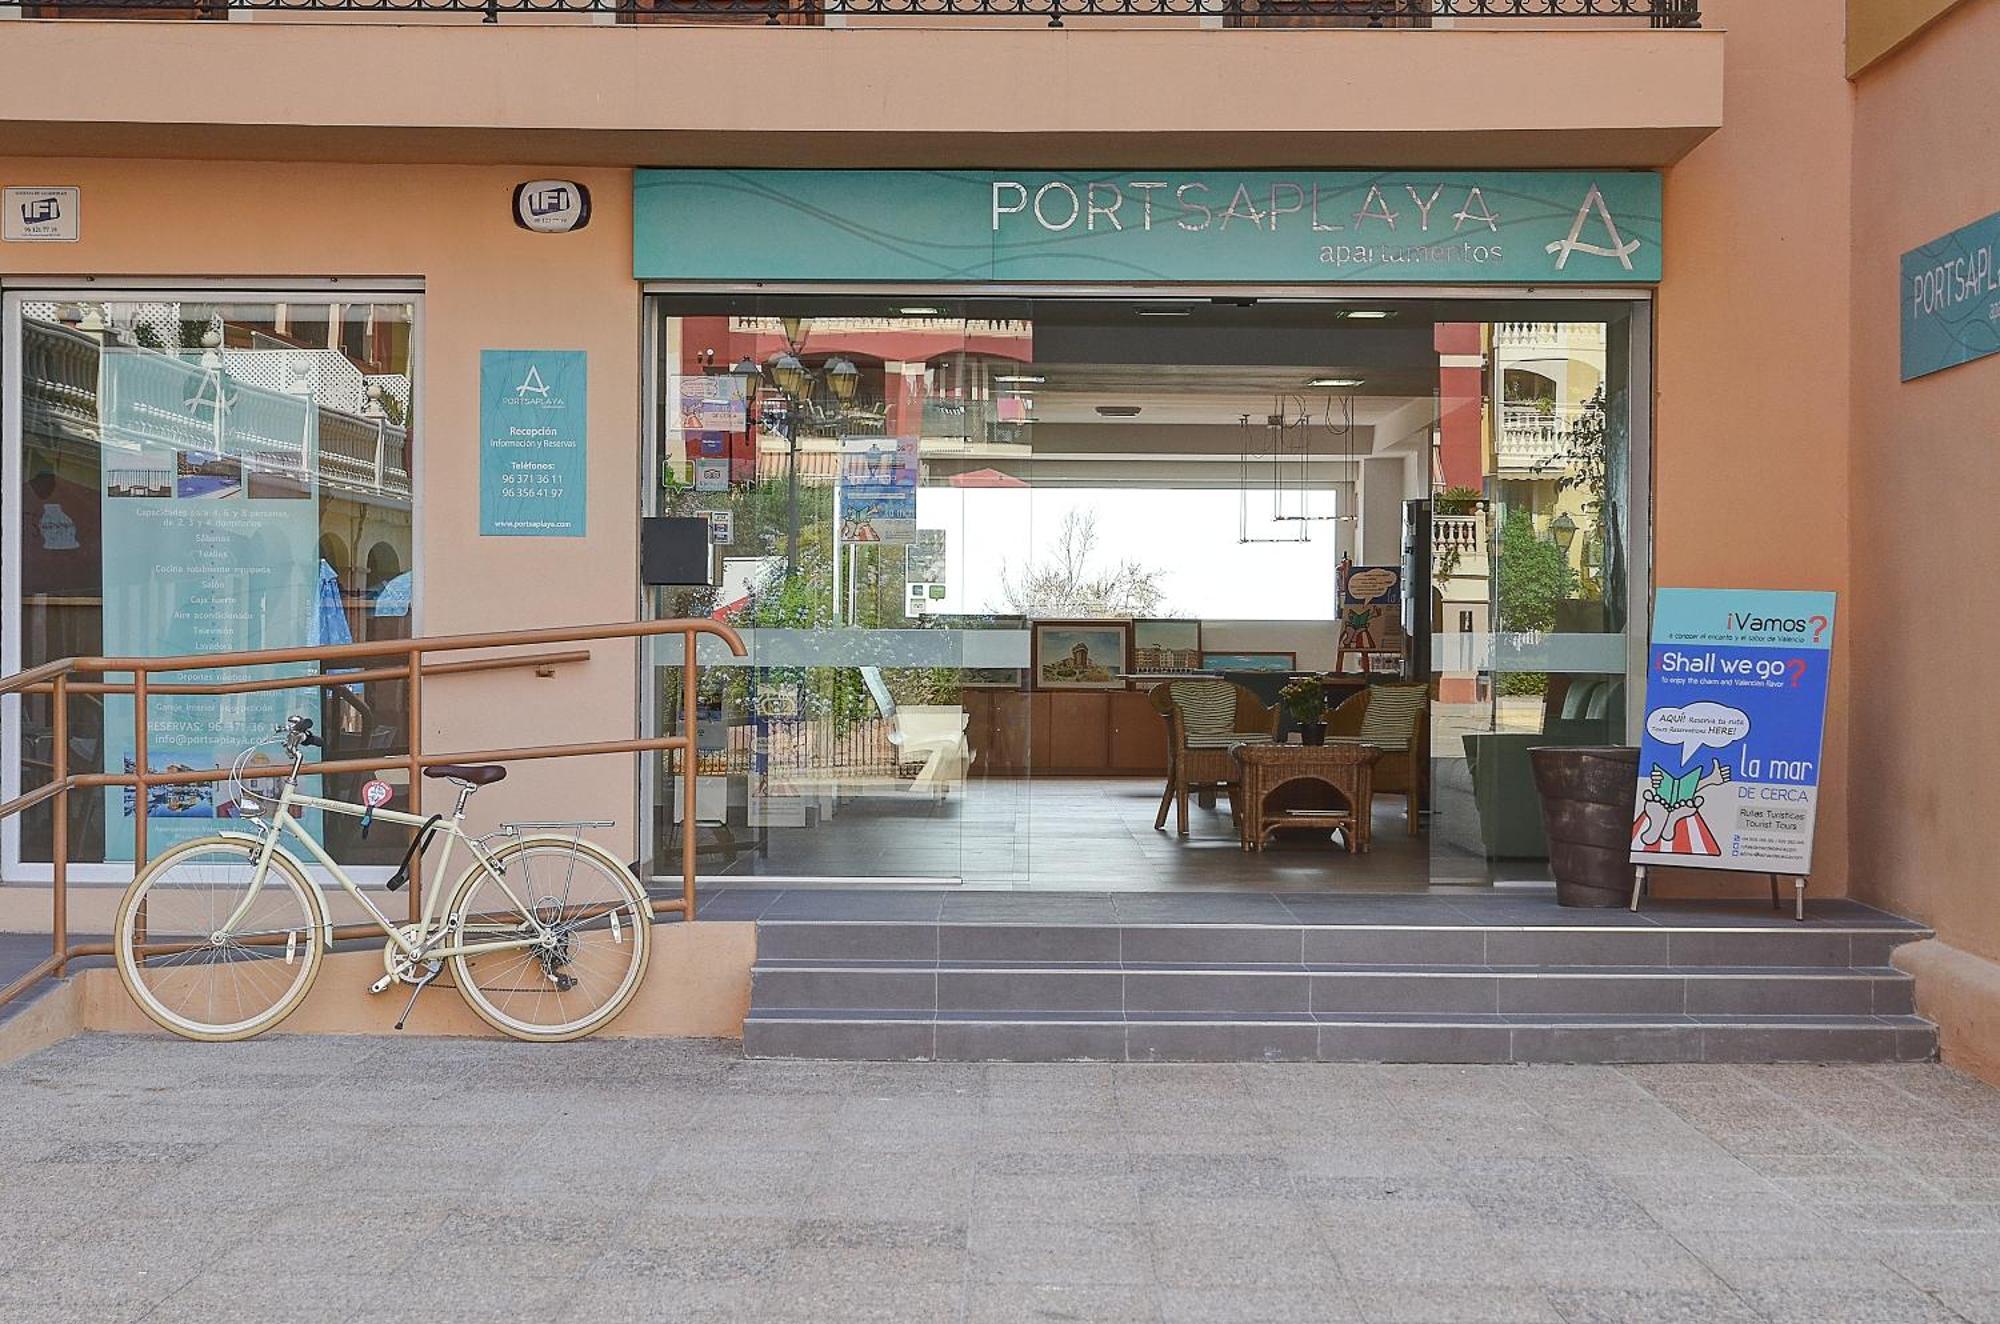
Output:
(1729, 766)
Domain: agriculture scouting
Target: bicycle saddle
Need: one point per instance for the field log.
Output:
(473, 774)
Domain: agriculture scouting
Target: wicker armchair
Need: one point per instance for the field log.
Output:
(1404, 771)
(1204, 718)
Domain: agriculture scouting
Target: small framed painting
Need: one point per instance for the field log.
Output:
(1273, 661)
(1081, 655)
(1166, 647)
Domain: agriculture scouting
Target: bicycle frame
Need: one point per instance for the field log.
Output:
(282, 822)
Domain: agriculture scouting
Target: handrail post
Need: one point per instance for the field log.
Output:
(59, 842)
(413, 742)
(690, 771)
(141, 804)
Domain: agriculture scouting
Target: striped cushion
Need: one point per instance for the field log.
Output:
(1207, 708)
(1390, 720)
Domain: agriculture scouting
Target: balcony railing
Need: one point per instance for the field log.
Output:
(1228, 13)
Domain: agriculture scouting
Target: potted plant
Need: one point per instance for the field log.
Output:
(1305, 703)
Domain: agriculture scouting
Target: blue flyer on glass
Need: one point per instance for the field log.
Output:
(1735, 709)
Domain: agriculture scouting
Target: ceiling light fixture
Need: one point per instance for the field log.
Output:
(1335, 383)
(1182, 311)
(1118, 411)
(920, 310)
(1366, 314)
(1019, 379)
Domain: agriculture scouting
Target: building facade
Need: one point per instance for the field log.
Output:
(966, 334)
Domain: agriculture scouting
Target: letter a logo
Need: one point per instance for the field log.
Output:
(532, 384)
(1621, 248)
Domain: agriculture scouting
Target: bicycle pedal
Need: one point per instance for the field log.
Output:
(382, 985)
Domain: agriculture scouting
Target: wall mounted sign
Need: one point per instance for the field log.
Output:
(1735, 708)
(1951, 299)
(551, 206)
(532, 442)
(41, 215)
(1403, 227)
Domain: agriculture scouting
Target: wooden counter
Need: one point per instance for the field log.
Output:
(1065, 732)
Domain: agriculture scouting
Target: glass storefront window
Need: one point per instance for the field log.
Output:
(207, 475)
(968, 539)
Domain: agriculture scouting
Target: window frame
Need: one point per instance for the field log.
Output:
(16, 291)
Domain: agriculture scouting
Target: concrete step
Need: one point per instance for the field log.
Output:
(1384, 1037)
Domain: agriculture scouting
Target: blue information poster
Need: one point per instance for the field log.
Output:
(211, 544)
(532, 453)
(1735, 709)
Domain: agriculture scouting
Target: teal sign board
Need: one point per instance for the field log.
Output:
(532, 435)
(1402, 227)
(1951, 299)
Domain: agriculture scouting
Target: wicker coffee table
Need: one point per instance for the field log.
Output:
(1348, 766)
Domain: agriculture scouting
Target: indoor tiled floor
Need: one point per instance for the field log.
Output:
(1084, 834)
(610, 1180)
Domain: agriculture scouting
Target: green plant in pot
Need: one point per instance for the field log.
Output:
(1305, 703)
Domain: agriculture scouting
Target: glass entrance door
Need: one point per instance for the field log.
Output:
(1533, 572)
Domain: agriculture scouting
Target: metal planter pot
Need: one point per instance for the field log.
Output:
(1587, 794)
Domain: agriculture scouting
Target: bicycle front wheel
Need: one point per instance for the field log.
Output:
(592, 929)
(194, 972)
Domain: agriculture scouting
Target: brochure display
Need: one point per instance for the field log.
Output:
(211, 544)
(1729, 767)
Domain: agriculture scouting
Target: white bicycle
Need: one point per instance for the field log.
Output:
(547, 935)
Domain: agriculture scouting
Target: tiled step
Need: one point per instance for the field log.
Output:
(959, 987)
(1111, 1037)
(1771, 942)
(1333, 978)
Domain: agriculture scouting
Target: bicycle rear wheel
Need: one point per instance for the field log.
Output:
(599, 926)
(193, 973)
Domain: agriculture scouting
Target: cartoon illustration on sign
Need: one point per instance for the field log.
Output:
(1670, 821)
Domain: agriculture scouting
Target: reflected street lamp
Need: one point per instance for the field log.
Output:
(1563, 528)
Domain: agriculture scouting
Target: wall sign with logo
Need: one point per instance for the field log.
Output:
(1951, 299)
(1735, 708)
(551, 206)
(41, 215)
(532, 442)
(1456, 227)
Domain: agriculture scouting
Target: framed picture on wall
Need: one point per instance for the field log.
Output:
(1166, 647)
(1255, 661)
(1081, 655)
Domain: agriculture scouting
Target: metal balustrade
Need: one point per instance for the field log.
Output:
(1235, 13)
(407, 660)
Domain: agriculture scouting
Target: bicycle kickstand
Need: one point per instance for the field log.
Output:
(431, 971)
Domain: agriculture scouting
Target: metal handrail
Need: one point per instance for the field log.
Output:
(57, 679)
(1281, 13)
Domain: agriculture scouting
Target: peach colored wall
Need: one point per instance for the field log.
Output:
(1926, 625)
(1750, 435)
(745, 94)
(487, 284)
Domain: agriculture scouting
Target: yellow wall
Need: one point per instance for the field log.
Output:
(1877, 27)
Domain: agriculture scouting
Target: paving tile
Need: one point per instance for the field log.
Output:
(1446, 1039)
(1596, 1306)
(1211, 944)
(1217, 990)
(857, 941)
(1039, 1250)
(780, 988)
(1085, 1303)
(895, 1041)
(1317, 1304)
(1603, 946)
(1048, 990)
(1406, 1303)
(1620, 993)
(1412, 992)
(1388, 946)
